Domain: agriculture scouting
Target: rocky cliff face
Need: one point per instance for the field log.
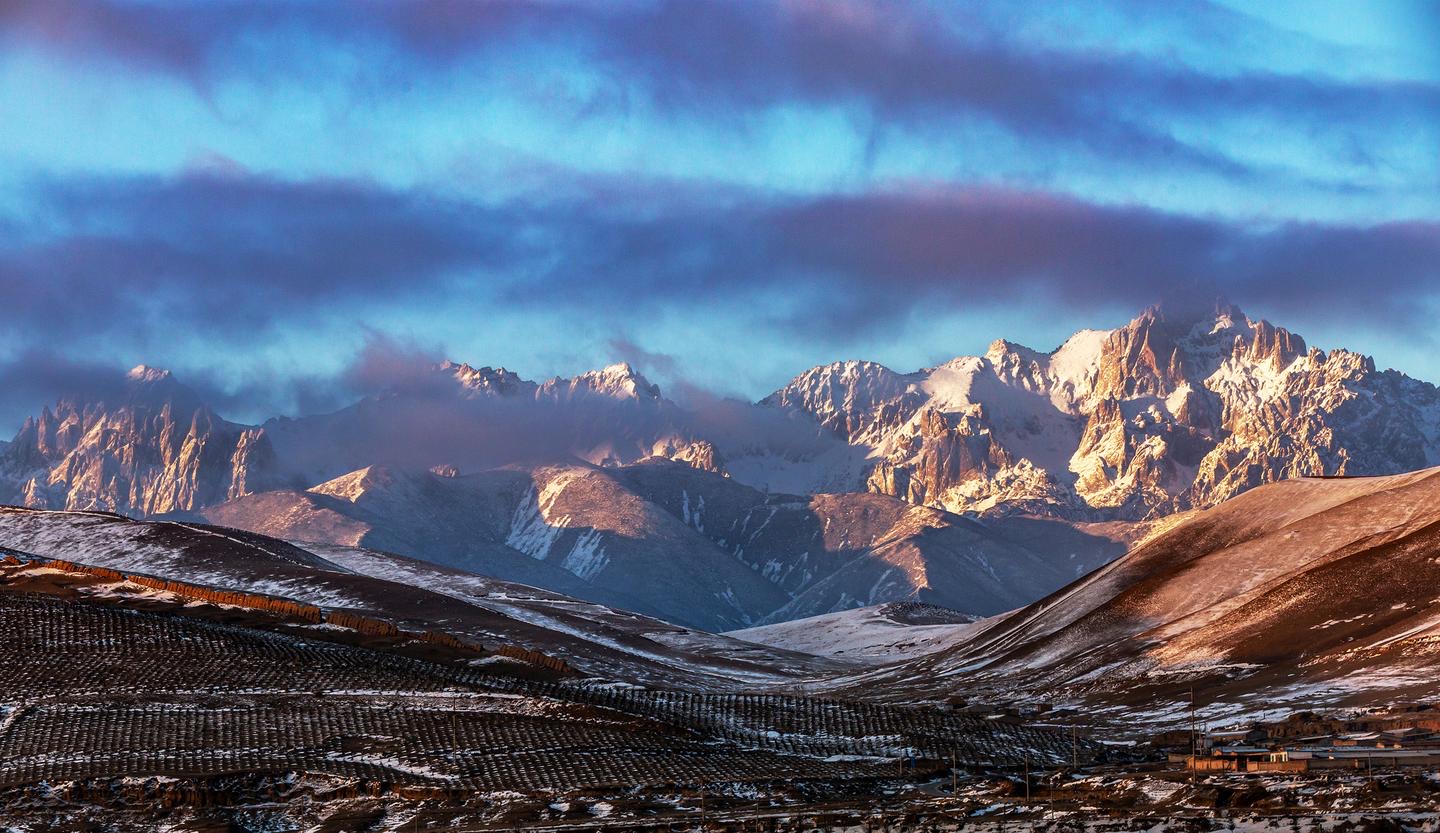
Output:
(1166, 413)
(151, 448)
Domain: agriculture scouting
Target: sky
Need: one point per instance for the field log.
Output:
(263, 196)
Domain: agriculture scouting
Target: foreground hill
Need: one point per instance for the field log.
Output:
(158, 720)
(610, 643)
(1303, 594)
(682, 544)
(241, 682)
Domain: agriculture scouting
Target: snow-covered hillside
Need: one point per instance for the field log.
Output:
(611, 643)
(686, 545)
(876, 635)
(1311, 593)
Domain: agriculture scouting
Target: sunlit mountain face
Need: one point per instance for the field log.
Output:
(780, 414)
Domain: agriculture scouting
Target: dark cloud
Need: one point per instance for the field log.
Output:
(227, 260)
(716, 57)
(651, 363)
(851, 263)
(233, 255)
(38, 376)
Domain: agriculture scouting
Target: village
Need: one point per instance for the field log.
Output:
(1400, 736)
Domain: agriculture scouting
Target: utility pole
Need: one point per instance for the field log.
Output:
(954, 775)
(1027, 777)
(1074, 748)
(1194, 742)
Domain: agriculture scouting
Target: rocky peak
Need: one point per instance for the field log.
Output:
(156, 388)
(486, 380)
(144, 373)
(1269, 345)
(148, 447)
(1018, 365)
(618, 381)
(1164, 349)
(354, 485)
(1143, 357)
(853, 399)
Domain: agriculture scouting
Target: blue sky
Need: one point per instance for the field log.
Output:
(256, 194)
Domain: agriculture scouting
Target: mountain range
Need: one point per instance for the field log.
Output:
(1309, 595)
(980, 484)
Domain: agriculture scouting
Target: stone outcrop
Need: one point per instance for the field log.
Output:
(150, 448)
(1166, 413)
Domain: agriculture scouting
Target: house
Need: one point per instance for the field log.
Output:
(1241, 759)
(1174, 739)
(1230, 737)
(1408, 736)
(1249, 758)
(1363, 758)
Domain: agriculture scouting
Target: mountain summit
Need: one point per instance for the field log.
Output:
(1169, 412)
(150, 446)
(1177, 409)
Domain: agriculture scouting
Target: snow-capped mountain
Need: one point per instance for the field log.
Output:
(152, 446)
(967, 484)
(149, 447)
(1166, 413)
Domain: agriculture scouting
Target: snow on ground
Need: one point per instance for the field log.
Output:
(688, 652)
(864, 634)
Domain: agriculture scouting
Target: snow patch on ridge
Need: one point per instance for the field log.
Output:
(587, 558)
(529, 532)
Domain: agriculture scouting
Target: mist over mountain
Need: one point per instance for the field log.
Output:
(980, 484)
(1169, 412)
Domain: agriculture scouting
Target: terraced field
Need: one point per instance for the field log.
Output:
(97, 691)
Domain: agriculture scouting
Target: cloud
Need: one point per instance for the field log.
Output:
(714, 58)
(393, 404)
(387, 363)
(648, 362)
(226, 260)
(838, 265)
(38, 376)
(233, 255)
(415, 417)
